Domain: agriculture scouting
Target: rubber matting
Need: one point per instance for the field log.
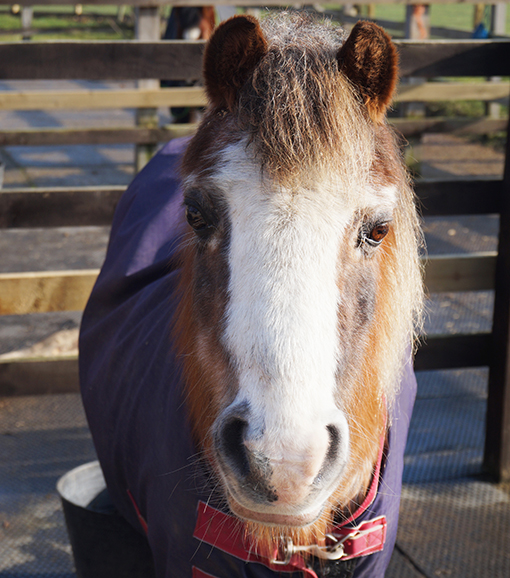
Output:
(41, 438)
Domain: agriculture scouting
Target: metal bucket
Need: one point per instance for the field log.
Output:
(104, 544)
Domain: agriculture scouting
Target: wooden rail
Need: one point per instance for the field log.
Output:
(44, 292)
(179, 59)
(453, 351)
(93, 136)
(456, 126)
(60, 374)
(39, 376)
(94, 99)
(195, 96)
(59, 206)
(439, 91)
(101, 60)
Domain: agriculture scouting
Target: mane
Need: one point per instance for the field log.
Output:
(300, 111)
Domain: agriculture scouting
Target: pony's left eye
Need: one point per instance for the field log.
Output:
(373, 235)
(195, 218)
(378, 233)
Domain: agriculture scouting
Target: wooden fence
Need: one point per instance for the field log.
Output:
(23, 293)
(65, 55)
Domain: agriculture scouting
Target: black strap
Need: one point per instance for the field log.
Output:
(334, 568)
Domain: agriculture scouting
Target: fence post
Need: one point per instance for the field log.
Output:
(498, 28)
(147, 27)
(498, 19)
(417, 27)
(497, 428)
(27, 13)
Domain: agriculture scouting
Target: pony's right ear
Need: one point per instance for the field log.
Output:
(234, 50)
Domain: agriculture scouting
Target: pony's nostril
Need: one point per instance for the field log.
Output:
(334, 444)
(250, 470)
(232, 445)
(332, 453)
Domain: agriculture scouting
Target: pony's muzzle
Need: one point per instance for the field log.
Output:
(288, 477)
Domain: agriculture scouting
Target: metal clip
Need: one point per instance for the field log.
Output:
(334, 551)
(287, 551)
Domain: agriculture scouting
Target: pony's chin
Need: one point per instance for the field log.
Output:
(296, 521)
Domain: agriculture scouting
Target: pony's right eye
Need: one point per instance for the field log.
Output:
(372, 233)
(377, 234)
(195, 218)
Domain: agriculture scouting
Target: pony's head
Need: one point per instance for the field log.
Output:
(300, 279)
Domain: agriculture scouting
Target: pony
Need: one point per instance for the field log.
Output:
(245, 356)
(188, 23)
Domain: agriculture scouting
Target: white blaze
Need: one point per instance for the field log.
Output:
(281, 322)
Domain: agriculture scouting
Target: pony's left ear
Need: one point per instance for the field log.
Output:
(233, 52)
(369, 59)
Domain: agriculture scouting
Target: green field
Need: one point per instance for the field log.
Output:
(101, 22)
(60, 22)
(454, 16)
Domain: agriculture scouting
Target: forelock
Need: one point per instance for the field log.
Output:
(302, 114)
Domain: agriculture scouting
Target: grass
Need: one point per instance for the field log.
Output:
(96, 23)
(455, 16)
